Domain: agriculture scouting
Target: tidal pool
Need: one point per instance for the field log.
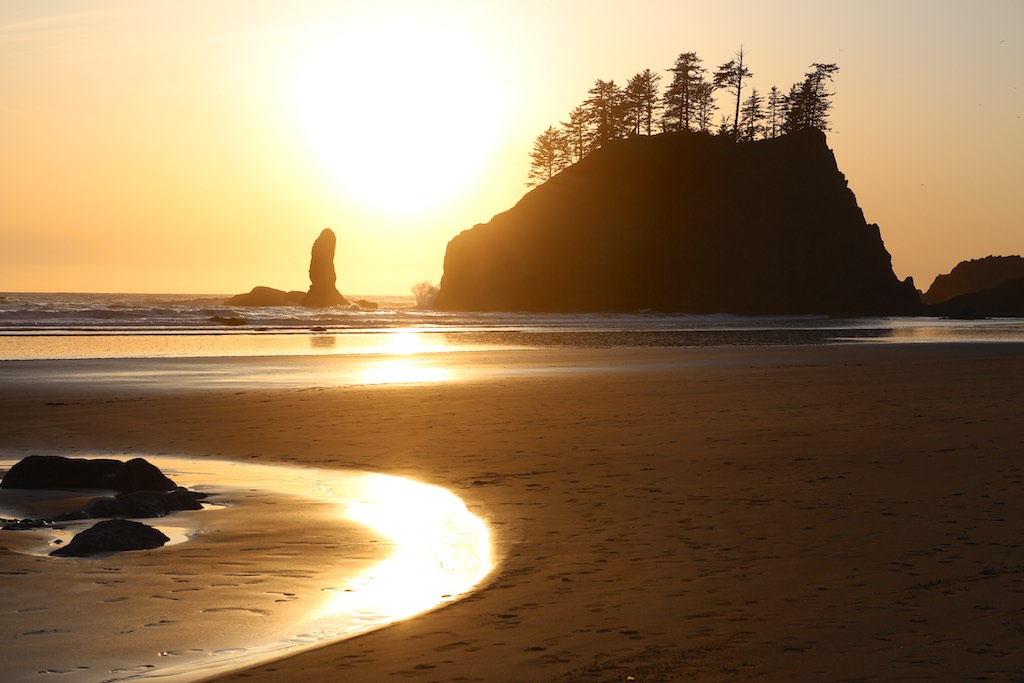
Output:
(281, 559)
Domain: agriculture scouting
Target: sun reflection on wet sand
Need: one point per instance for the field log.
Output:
(402, 369)
(439, 547)
(405, 342)
(402, 372)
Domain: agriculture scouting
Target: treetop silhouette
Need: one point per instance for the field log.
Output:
(612, 112)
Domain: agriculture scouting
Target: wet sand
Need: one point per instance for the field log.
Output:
(280, 559)
(785, 513)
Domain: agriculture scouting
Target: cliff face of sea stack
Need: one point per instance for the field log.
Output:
(322, 278)
(682, 222)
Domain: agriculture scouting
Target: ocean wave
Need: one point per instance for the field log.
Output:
(26, 317)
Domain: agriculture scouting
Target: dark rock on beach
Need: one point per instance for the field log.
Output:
(145, 492)
(58, 472)
(683, 222)
(63, 518)
(145, 504)
(111, 536)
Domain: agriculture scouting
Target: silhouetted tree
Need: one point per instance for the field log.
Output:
(642, 101)
(611, 112)
(795, 108)
(821, 98)
(730, 76)
(549, 156)
(751, 116)
(681, 96)
(808, 103)
(606, 110)
(774, 113)
(706, 107)
(725, 128)
(578, 134)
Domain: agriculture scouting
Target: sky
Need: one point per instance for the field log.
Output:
(200, 146)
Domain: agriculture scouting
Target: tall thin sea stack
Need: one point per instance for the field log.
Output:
(322, 278)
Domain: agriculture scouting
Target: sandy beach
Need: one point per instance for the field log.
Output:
(826, 513)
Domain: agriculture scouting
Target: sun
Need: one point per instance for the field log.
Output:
(403, 111)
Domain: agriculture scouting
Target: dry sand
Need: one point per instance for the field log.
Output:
(846, 513)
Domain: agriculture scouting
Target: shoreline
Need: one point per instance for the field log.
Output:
(279, 560)
(806, 513)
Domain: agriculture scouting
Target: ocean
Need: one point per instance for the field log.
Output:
(68, 325)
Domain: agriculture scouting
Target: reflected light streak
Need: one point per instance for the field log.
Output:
(404, 342)
(441, 549)
(402, 372)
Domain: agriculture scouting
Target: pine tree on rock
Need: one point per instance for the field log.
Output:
(549, 156)
(731, 77)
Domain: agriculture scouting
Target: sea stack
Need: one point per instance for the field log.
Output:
(322, 290)
(322, 278)
(683, 222)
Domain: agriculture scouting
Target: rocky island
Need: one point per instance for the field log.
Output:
(323, 290)
(683, 222)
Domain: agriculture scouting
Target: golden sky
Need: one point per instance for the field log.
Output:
(200, 146)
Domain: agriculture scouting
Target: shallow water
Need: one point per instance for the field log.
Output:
(281, 559)
(90, 326)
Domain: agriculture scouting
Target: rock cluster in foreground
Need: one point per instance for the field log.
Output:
(143, 491)
(682, 222)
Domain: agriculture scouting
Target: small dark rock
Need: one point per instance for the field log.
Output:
(143, 504)
(231, 322)
(112, 535)
(22, 524)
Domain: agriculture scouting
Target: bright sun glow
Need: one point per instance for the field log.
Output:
(402, 367)
(408, 342)
(403, 111)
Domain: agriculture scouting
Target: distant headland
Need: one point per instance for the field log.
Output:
(981, 288)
